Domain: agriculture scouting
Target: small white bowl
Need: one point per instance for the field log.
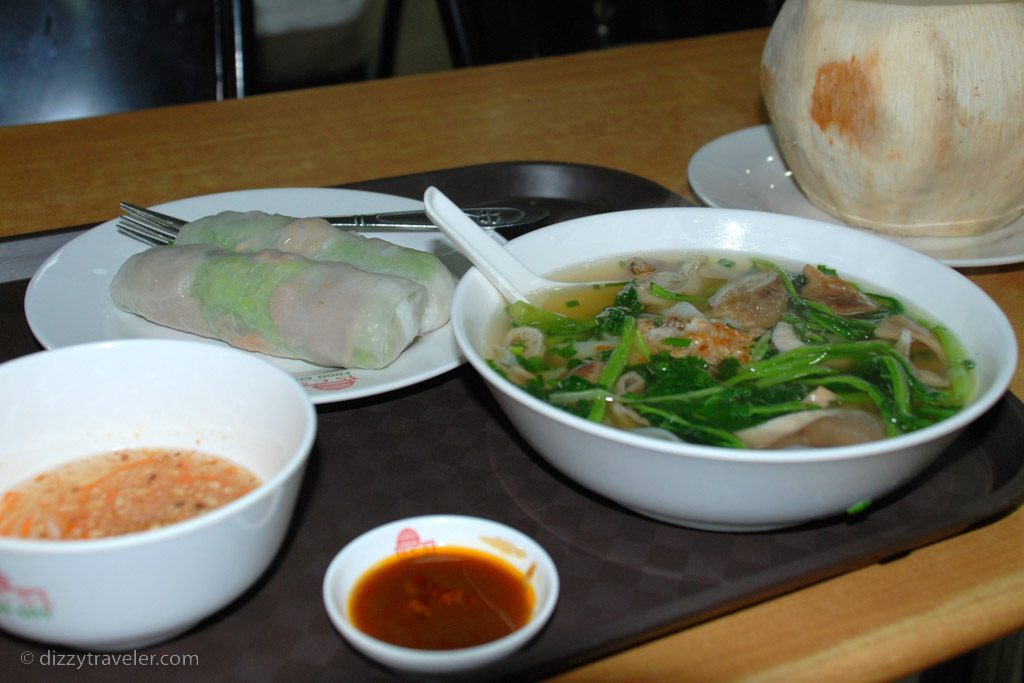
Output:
(376, 545)
(137, 589)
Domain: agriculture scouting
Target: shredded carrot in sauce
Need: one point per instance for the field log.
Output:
(120, 493)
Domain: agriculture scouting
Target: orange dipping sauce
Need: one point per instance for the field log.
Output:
(121, 492)
(441, 599)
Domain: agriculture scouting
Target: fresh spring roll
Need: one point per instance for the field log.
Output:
(316, 239)
(274, 302)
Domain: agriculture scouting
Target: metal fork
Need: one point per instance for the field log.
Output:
(146, 225)
(155, 228)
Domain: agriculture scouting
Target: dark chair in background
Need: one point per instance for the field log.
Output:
(491, 31)
(65, 59)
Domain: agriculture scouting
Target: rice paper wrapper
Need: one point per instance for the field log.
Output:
(316, 239)
(273, 302)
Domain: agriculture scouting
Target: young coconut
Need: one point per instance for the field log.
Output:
(902, 116)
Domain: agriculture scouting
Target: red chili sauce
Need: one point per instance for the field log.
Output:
(441, 599)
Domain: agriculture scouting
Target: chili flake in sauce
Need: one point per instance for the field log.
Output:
(441, 598)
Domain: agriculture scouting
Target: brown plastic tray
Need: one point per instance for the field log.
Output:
(566, 190)
(445, 447)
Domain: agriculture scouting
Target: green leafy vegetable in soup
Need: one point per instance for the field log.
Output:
(743, 354)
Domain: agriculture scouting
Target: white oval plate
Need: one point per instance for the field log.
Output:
(744, 170)
(68, 299)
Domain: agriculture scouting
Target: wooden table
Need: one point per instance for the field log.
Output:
(644, 110)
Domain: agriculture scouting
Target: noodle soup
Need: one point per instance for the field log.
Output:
(734, 352)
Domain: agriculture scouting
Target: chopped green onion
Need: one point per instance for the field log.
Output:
(859, 507)
(662, 293)
(677, 341)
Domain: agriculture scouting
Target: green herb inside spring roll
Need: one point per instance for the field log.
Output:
(282, 304)
(316, 239)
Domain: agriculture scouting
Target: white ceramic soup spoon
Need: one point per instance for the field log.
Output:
(504, 271)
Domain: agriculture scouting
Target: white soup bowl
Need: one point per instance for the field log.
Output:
(725, 489)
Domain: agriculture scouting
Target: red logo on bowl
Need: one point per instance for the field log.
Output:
(23, 601)
(408, 539)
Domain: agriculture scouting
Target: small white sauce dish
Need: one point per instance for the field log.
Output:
(369, 549)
